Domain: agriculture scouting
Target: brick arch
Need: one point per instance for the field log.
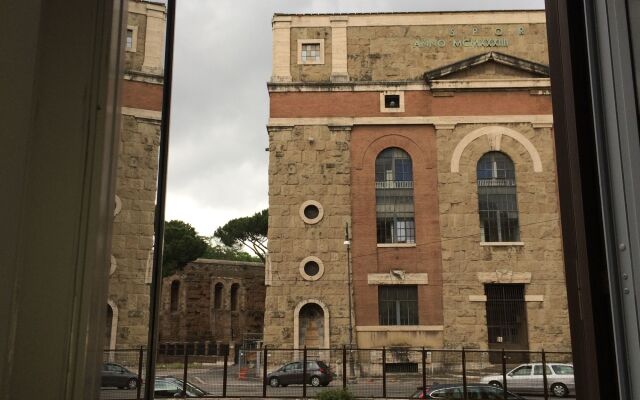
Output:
(391, 140)
(494, 136)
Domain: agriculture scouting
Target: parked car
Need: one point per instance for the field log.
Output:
(318, 374)
(166, 387)
(528, 378)
(450, 391)
(115, 375)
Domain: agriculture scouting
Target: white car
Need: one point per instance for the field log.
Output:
(527, 378)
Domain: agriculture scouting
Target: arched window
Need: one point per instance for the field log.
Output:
(394, 197)
(497, 203)
(217, 296)
(107, 333)
(175, 295)
(234, 296)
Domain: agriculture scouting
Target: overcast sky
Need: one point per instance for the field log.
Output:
(222, 61)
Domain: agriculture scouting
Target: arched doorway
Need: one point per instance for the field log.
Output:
(311, 326)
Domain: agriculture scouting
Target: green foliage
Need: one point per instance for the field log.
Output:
(246, 231)
(181, 245)
(335, 394)
(220, 252)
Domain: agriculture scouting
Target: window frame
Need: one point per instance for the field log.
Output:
(394, 173)
(506, 227)
(303, 42)
(412, 305)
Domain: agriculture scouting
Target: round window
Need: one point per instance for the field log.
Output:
(311, 268)
(311, 212)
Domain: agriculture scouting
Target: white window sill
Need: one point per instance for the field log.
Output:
(396, 245)
(501, 243)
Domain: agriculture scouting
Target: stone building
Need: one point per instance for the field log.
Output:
(428, 139)
(212, 306)
(130, 273)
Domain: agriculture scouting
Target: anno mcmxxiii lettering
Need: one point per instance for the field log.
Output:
(465, 42)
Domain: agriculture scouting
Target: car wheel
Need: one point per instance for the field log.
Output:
(325, 384)
(559, 390)
(132, 383)
(274, 382)
(496, 384)
(315, 381)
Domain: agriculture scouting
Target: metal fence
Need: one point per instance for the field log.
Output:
(367, 373)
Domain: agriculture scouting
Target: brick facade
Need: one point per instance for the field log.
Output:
(470, 83)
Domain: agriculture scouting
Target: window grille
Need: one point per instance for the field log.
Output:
(398, 304)
(310, 52)
(506, 315)
(394, 197)
(497, 204)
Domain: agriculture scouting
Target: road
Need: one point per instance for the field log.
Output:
(210, 380)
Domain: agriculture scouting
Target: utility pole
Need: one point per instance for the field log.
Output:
(347, 243)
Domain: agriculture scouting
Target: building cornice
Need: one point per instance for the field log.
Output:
(444, 84)
(541, 120)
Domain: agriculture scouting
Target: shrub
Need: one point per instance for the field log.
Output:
(335, 394)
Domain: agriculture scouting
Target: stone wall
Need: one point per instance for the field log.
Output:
(466, 262)
(307, 163)
(133, 228)
(133, 60)
(308, 73)
(390, 52)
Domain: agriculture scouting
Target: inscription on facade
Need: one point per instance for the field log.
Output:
(495, 41)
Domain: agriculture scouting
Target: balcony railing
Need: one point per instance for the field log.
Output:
(394, 185)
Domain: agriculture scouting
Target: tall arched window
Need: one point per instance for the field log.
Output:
(234, 296)
(497, 203)
(217, 296)
(394, 197)
(175, 295)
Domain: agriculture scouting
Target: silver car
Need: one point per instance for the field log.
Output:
(527, 378)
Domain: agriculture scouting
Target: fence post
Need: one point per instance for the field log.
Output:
(264, 372)
(384, 372)
(139, 385)
(504, 374)
(304, 372)
(544, 376)
(224, 374)
(464, 375)
(424, 374)
(184, 375)
(344, 367)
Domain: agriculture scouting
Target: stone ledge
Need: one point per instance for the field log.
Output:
(501, 243)
(398, 278)
(504, 276)
(400, 328)
(396, 245)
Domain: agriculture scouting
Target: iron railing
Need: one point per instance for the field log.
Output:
(390, 372)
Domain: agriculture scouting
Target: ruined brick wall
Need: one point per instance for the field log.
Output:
(198, 318)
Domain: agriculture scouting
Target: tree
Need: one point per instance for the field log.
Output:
(250, 232)
(217, 251)
(181, 245)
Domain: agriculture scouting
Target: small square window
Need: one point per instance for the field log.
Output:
(311, 51)
(392, 101)
(129, 38)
